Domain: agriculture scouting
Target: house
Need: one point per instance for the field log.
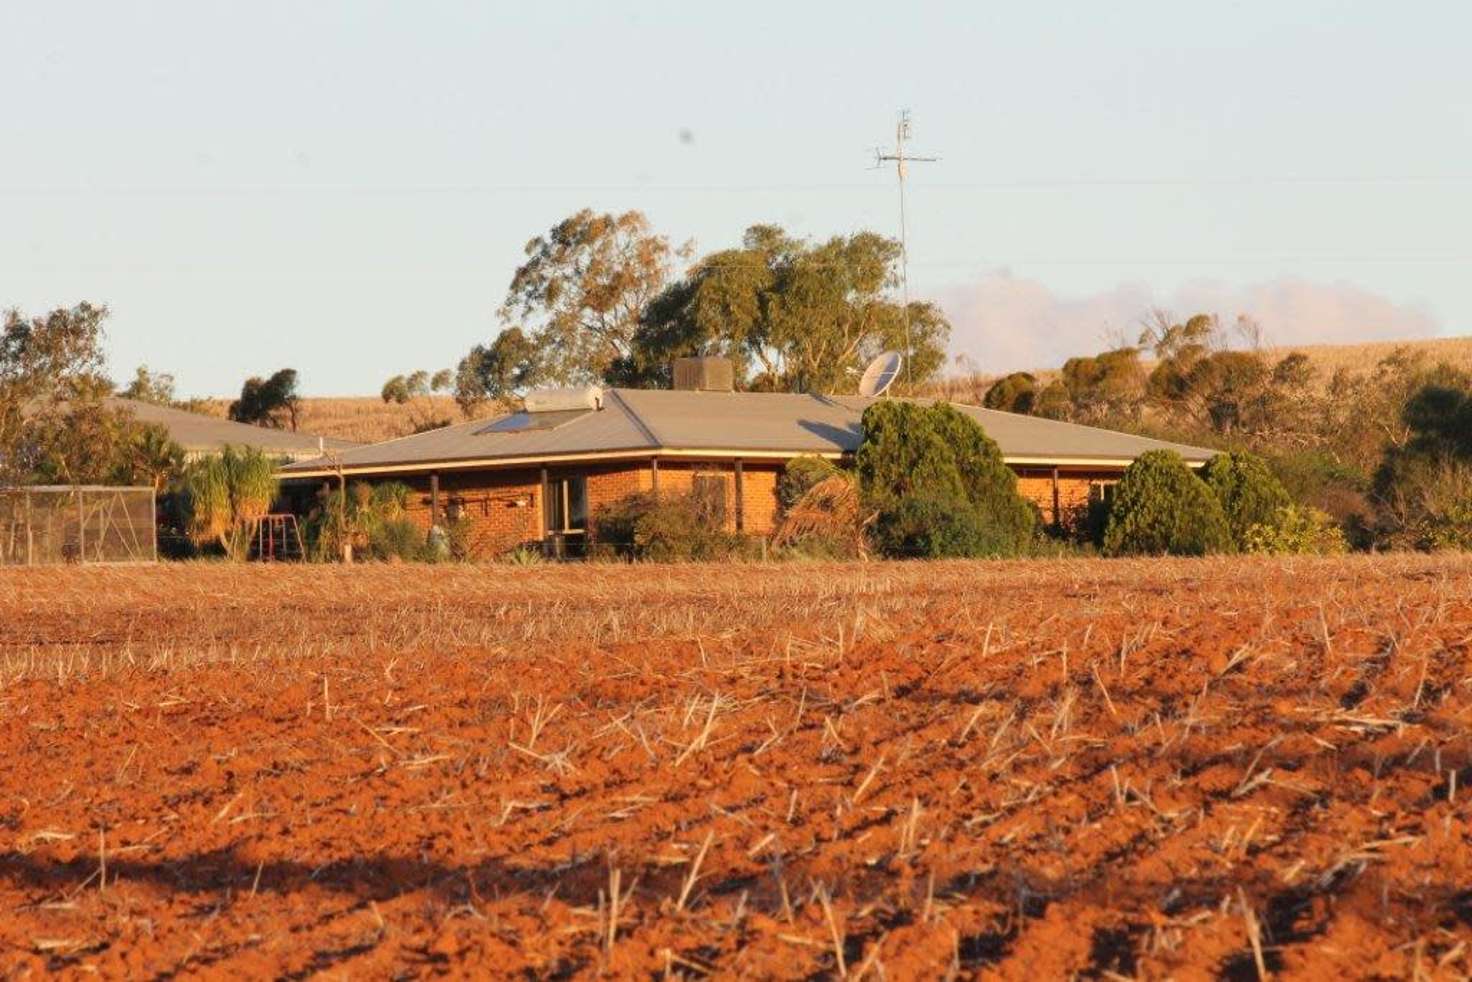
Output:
(202, 435)
(539, 474)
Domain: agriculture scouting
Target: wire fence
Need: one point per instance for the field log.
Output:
(44, 525)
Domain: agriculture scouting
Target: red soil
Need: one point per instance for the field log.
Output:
(999, 770)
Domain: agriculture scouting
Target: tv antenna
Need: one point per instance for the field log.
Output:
(900, 158)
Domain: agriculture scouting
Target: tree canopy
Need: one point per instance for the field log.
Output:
(597, 300)
(51, 369)
(793, 315)
(264, 402)
(507, 366)
(149, 386)
(1015, 393)
(583, 290)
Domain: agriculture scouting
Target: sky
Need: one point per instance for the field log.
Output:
(345, 187)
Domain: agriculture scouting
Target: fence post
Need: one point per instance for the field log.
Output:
(30, 533)
(81, 528)
(153, 519)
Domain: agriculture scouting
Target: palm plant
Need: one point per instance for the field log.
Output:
(225, 496)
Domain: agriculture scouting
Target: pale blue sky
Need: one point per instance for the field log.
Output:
(345, 187)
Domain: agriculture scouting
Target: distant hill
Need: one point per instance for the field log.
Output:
(1327, 358)
(368, 419)
(363, 419)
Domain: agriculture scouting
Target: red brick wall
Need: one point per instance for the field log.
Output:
(758, 489)
(504, 507)
(1036, 485)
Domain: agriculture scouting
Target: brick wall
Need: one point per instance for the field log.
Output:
(758, 489)
(1073, 492)
(504, 507)
(609, 484)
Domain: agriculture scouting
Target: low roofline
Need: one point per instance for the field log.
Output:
(13, 488)
(486, 463)
(646, 453)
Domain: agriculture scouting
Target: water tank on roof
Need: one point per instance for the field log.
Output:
(561, 400)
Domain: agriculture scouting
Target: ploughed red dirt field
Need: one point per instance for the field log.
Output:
(1193, 769)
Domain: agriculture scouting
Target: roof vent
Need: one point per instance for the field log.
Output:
(561, 400)
(705, 374)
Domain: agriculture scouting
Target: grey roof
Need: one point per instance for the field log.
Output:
(198, 433)
(654, 420)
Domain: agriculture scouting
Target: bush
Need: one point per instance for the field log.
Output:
(663, 528)
(396, 538)
(1015, 393)
(943, 460)
(922, 527)
(1160, 507)
(988, 482)
(612, 525)
(827, 522)
(799, 477)
(1250, 494)
(372, 517)
(1296, 531)
(1449, 530)
(222, 497)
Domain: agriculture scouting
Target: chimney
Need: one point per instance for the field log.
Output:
(704, 374)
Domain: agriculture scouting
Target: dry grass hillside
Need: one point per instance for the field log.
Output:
(365, 419)
(1327, 358)
(368, 419)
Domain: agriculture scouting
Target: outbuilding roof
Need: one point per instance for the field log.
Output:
(201, 434)
(645, 422)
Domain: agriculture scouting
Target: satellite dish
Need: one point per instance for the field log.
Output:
(881, 373)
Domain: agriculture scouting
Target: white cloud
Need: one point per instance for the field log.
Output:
(1006, 323)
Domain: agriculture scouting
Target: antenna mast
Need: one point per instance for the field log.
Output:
(900, 158)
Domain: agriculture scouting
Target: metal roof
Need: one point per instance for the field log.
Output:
(642, 422)
(198, 433)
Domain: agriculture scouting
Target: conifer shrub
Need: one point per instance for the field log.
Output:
(1249, 492)
(1161, 508)
(937, 484)
(920, 526)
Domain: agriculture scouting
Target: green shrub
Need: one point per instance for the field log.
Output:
(612, 525)
(523, 556)
(1296, 530)
(799, 476)
(1015, 393)
(222, 497)
(373, 517)
(1250, 494)
(903, 453)
(396, 538)
(1160, 507)
(922, 527)
(988, 482)
(936, 465)
(1448, 531)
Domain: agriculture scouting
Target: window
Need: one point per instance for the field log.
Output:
(567, 505)
(709, 492)
(1102, 492)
